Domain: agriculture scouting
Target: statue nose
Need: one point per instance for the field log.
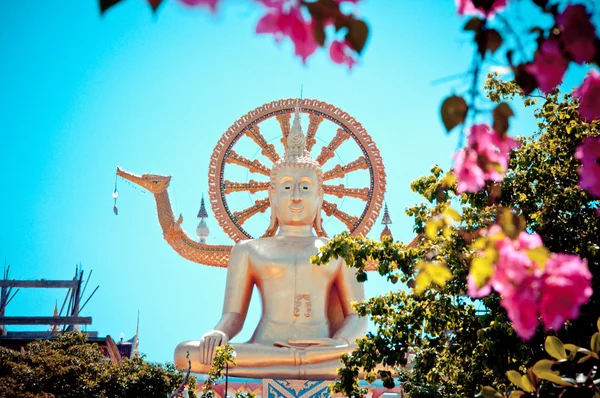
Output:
(296, 194)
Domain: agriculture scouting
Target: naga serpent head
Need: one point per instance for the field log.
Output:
(152, 182)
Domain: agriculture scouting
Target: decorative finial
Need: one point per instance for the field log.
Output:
(386, 220)
(202, 230)
(202, 212)
(296, 143)
(386, 216)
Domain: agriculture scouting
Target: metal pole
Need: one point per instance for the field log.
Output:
(226, 378)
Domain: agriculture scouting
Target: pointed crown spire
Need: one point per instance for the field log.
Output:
(296, 142)
(202, 212)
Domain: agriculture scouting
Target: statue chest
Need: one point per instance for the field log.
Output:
(289, 265)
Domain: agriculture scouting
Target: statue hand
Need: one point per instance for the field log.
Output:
(316, 342)
(209, 343)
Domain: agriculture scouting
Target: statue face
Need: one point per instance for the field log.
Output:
(296, 198)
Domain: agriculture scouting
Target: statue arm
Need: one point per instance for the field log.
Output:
(350, 290)
(238, 292)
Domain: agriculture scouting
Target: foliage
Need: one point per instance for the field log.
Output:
(460, 344)
(572, 373)
(69, 366)
(223, 357)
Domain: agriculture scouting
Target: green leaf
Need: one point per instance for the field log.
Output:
(553, 377)
(422, 281)
(598, 324)
(494, 40)
(432, 228)
(501, 114)
(571, 347)
(512, 225)
(539, 255)
(488, 40)
(454, 110)
(319, 32)
(155, 4)
(482, 270)
(474, 24)
(516, 378)
(595, 343)
(555, 348)
(544, 365)
(453, 214)
(358, 31)
(543, 370)
(488, 392)
(528, 383)
(439, 273)
(106, 4)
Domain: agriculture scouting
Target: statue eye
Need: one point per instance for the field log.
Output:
(287, 188)
(305, 188)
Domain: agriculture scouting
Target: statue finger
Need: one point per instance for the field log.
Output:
(205, 347)
(211, 350)
(282, 344)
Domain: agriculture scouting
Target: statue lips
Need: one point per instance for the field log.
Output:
(297, 209)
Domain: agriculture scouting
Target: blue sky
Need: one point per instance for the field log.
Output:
(82, 94)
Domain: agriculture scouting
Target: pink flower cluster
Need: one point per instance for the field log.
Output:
(575, 42)
(284, 18)
(211, 3)
(466, 7)
(555, 291)
(588, 153)
(484, 159)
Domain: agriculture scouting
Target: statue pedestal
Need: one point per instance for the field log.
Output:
(282, 388)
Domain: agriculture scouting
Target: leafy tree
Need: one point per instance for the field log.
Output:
(457, 348)
(69, 366)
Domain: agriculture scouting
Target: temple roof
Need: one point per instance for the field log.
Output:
(386, 232)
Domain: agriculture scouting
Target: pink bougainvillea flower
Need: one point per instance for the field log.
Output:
(520, 304)
(468, 173)
(566, 287)
(556, 291)
(578, 33)
(589, 96)
(211, 3)
(549, 66)
(340, 52)
(492, 149)
(466, 7)
(588, 153)
(284, 19)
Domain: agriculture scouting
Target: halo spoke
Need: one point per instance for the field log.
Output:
(267, 149)
(250, 186)
(340, 171)
(331, 209)
(284, 122)
(253, 165)
(259, 206)
(340, 191)
(313, 125)
(328, 151)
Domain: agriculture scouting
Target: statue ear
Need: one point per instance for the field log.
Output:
(318, 221)
(273, 224)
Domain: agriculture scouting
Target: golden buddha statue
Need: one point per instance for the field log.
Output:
(307, 320)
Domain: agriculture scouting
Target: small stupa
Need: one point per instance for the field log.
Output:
(202, 231)
(386, 220)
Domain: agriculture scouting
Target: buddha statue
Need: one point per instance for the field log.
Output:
(307, 320)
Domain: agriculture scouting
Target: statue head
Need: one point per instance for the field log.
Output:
(296, 189)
